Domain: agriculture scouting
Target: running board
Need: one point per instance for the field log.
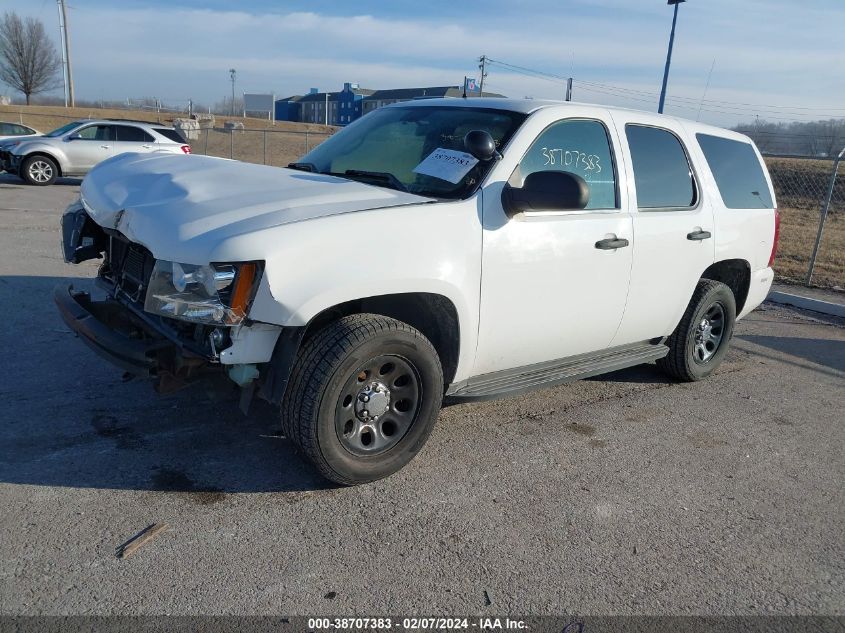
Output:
(516, 381)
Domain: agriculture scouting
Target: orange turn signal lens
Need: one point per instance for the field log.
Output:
(243, 290)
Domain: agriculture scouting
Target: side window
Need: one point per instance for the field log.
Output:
(22, 130)
(172, 135)
(132, 134)
(737, 171)
(5, 129)
(580, 147)
(97, 133)
(662, 171)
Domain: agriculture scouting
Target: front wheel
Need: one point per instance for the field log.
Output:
(39, 170)
(700, 342)
(363, 396)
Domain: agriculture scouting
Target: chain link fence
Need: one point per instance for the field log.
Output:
(811, 200)
(810, 190)
(266, 147)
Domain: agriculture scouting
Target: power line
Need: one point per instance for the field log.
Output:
(715, 106)
(713, 110)
(711, 101)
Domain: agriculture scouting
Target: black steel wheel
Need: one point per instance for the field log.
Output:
(700, 342)
(378, 404)
(363, 396)
(709, 333)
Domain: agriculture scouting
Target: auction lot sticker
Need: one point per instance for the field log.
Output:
(446, 164)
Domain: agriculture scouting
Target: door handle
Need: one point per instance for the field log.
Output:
(612, 243)
(104, 146)
(699, 235)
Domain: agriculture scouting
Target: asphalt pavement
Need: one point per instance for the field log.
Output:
(623, 494)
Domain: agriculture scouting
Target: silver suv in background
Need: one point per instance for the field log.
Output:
(74, 149)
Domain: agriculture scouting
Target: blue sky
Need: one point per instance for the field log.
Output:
(779, 59)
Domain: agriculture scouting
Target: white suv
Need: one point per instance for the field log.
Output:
(461, 249)
(74, 149)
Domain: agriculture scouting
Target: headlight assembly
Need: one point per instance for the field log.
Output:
(217, 294)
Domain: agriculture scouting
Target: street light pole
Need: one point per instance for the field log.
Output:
(669, 55)
(68, 73)
(232, 73)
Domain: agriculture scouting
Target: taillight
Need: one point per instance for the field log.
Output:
(777, 236)
(186, 149)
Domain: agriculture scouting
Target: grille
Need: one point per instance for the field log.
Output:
(130, 266)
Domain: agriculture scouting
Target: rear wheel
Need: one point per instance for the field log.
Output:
(363, 397)
(39, 170)
(700, 342)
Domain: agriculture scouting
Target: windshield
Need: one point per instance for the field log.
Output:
(386, 146)
(64, 129)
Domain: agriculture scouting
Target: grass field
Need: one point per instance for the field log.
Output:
(800, 184)
(46, 118)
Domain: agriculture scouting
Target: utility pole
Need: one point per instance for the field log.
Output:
(569, 89)
(483, 67)
(68, 73)
(232, 75)
(669, 55)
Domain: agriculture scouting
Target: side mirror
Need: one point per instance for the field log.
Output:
(546, 191)
(480, 144)
(74, 137)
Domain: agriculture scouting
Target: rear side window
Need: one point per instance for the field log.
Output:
(133, 134)
(662, 171)
(580, 147)
(14, 129)
(737, 171)
(173, 135)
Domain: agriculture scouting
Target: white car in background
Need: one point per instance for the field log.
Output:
(74, 149)
(16, 131)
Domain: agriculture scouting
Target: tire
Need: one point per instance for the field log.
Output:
(694, 352)
(39, 170)
(356, 363)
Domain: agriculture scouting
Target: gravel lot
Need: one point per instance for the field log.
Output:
(626, 494)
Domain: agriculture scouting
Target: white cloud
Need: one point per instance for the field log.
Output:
(181, 53)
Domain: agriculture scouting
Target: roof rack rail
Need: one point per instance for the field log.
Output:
(133, 121)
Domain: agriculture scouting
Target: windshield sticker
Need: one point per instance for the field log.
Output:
(447, 164)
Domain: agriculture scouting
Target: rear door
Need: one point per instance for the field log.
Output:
(88, 146)
(673, 226)
(133, 139)
(744, 202)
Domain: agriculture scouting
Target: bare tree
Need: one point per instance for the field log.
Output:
(29, 62)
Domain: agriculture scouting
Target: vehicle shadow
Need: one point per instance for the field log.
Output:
(827, 352)
(70, 419)
(640, 374)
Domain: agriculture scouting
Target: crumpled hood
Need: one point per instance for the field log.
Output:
(181, 207)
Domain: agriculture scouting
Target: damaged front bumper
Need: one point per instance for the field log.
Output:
(172, 351)
(114, 332)
(6, 163)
